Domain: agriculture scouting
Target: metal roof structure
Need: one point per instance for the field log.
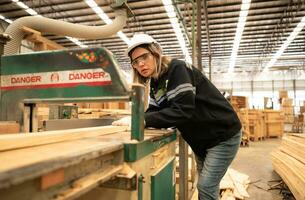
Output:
(268, 24)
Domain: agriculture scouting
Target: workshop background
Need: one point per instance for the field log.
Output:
(56, 138)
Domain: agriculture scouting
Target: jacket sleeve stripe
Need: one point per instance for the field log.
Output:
(179, 89)
(153, 102)
(161, 99)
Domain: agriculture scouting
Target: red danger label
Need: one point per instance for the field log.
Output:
(71, 78)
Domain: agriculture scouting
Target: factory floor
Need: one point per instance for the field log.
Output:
(255, 161)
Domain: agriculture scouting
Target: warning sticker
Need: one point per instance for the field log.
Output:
(58, 79)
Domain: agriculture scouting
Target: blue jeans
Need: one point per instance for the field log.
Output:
(213, 167)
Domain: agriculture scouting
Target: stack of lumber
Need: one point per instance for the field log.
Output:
(283, 94)
(42, 164)
(243, 117)
(23, 140)
(289, 162)
(286, 106)
(95, 113)
(302, 108)
(40, 43)
(287, 109)
(298, 124)
(42, 115)
(274, 123)
(105, 105)
(234, 185)
(239, 102)
(9, 127)
(256, 124)
(240, 105)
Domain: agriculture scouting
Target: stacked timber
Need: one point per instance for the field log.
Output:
(234, 185)
(9, 127)
(286, 106)
(274, 123)
(298, 124)
(287, 109)
(256, 124)
(42, 115)
(240, 105)
(95, 113)
(239, 102)
(283, 94)
(289, 162)
(243, 117)
(59, 164)
(302, 108)
(105, 105)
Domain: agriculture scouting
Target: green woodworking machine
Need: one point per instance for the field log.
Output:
(88, 163)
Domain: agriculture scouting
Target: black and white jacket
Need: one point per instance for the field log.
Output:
(184, 98)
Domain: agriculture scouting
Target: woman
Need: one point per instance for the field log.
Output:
(182, 97)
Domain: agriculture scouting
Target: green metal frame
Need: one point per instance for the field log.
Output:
(162, 183)
(137, 122)
(63, 76)
(136, 151)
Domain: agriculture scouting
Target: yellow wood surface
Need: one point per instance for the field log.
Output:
(289, 162)
(15, 141)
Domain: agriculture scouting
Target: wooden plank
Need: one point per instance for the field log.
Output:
(293, 147)
(7, 127)
(35, 119)
(291, 171)
(26, 119)
(227, 195)
(15, 141)
(240, 181)
(52, 178)
(41, 43)
(226, 182)
(89, 182)
(27, 163)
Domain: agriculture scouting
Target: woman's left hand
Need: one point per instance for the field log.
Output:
(125, 121)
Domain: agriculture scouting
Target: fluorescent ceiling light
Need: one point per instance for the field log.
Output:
(76, 41)
(239, 31)
(8, 21)
(31, 11)
(22, 5)
(123, 37)
(5, 19)
(98, 11)
(170, 10)
(290, 38)
(92, 4)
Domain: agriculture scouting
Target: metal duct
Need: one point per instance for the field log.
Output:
(57, 27)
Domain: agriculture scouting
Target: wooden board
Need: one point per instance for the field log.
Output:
(291, 171)
(289, 162)
(87, 183)
(294, 146)
(234, 185)
(7, 127)
(15, 141)
(40, 43)
(23, 164)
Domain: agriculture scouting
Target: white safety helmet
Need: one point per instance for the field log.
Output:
(138, 39)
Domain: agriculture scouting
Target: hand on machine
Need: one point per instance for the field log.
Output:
(125, 121)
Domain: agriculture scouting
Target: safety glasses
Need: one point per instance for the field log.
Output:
(135, 63)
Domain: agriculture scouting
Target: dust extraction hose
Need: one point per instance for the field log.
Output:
(57, 27)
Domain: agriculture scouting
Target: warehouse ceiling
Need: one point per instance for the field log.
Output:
(267, 27)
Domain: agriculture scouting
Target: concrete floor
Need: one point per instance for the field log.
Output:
(255, 161)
